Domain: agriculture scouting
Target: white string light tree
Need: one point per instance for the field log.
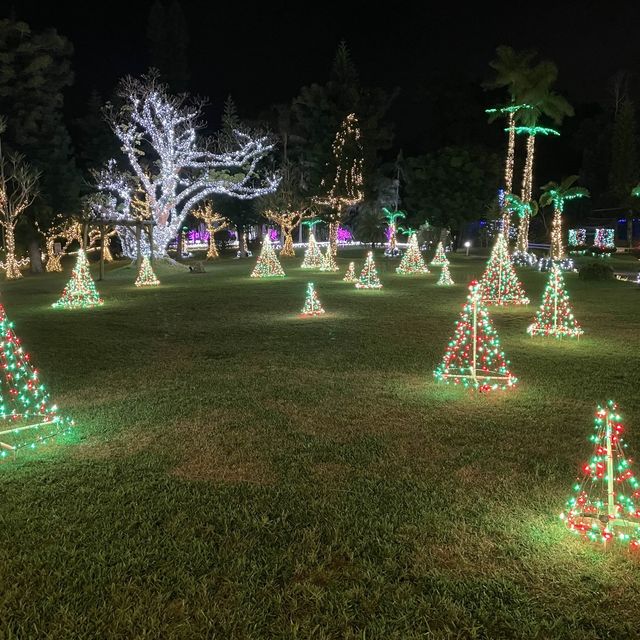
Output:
(174, 168)
(18, 189)
(346, 188)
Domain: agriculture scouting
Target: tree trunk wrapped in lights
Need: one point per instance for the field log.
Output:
(18, 189)
(345, 188)
(175, 171)
(214, 223)
(392, 218)
(474, 357)
(605, 506)
(557, 194)
(25, 403)
(287, 221)
(499, 283)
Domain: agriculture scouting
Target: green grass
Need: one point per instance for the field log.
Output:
(238, 472)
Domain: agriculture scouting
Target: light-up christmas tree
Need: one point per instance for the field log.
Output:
(555, 316)
(312, 256)
(25, 405)
(474, 357)
(605, 505)
(350, 275)
(500, 284)
(369, 276)
(440, 257)
(80, 292)
(146, 276)
(268, 265)
(328, 261)
(312, 306)
(412, 261)
(445, 279)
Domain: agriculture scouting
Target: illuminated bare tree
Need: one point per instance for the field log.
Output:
(18, 189)
(214, 223)
(174, 168)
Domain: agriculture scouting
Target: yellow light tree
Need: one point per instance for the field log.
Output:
(94, 241)
(287, 221)
(214, 223)
(18, 189)
(346, 188)
(66, 230)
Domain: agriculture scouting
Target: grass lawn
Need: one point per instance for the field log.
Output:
(238, 472)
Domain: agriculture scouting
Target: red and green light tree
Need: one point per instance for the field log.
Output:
(350, 275)
(440, 257)
(146, 276)
(500, 284)
(80, 292)
(445, 279)
(555, 316)
(25, 404)
(268, 265)
(412, 261)
(605, 503)
(312, 306)
(369, 276)
(474, 357)
(312, 255)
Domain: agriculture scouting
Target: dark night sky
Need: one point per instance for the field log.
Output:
(263, 54)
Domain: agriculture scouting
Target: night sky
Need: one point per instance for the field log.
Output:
(263, 54)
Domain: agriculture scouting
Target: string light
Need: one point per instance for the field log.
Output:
(287, 221)
(603, 506)
(346, 188)
(80, 292)
(555, 316)
(412, 261)
(161, 129)
(392, 218)
(474, 357)
(604, 239)
(577, 237)
(350, 275)
(328, 261)
(312, 306)
(24, 402)
(312, 256)
(268, 265)
(440, 258)
(500, 284)
(445, 279)
(369, 275)
(214, 223)
(146, 276)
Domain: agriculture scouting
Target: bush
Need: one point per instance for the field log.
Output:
(596, 251)
(596, 271)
